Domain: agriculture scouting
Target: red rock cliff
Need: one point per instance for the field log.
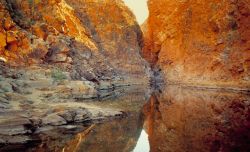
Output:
(94, 39)
(199, 42)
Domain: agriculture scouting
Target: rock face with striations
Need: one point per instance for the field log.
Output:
(204, 43)
(91, 39)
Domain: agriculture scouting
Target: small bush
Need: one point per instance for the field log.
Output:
(5, 90)
(58, 75)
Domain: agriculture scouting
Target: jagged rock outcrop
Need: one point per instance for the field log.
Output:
(205, 43)
(93, 40)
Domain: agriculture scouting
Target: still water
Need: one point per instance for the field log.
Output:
(142, 143)
(173, 119)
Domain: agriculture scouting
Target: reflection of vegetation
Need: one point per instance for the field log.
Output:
(58, 75)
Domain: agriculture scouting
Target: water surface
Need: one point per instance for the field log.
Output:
(173, 119)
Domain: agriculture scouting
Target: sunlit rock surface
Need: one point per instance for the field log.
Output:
(93, 40)
(199, 42)
(185, 119)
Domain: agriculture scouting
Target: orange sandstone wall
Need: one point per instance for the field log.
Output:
(84, 36)
(199, 42)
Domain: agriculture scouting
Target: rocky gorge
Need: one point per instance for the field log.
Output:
(84, 75)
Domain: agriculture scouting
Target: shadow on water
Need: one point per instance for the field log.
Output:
(174, 119)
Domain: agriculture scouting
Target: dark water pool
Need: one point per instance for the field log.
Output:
(174, 119)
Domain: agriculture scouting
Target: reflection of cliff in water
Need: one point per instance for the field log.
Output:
(175, 119)
(198, 121)
(118, 135)
(114, 134)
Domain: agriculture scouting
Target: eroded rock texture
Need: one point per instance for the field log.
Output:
(200, 42)
(94, 40)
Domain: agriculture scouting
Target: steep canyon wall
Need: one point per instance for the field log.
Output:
(91, 39)
(197, 42)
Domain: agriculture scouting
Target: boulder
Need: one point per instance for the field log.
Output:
(54, 120)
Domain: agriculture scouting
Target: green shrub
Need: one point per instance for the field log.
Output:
(58, 75)
(5, 90)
